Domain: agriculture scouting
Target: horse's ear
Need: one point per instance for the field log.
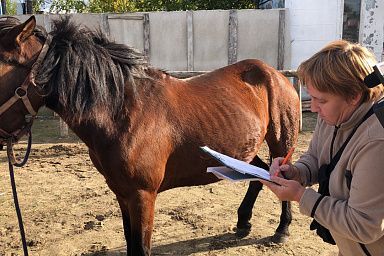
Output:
(20, 33)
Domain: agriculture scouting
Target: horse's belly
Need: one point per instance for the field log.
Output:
(187, 166)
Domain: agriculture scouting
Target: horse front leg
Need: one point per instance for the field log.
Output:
(138, 223)
(126, 225)
(244, 212)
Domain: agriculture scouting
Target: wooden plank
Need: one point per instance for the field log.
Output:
(289, 73)
(281, 41)
(127, 17)
(190, 62)
(232, 37)
(147, 45)
(185, 74)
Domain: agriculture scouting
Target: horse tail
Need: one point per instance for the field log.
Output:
(284, 111)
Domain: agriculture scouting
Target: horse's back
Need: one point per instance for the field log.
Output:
(249, 81)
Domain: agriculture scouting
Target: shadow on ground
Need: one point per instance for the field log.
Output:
(196, 245)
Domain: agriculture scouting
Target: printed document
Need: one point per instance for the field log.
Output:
(234, 169)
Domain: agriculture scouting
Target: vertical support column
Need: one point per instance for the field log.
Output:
(47, 22)
(105, 24)
(147, 45)
(3, 7)
(281, 41)
(190, 61)
(232, 40)
(297, 86)
(63, 128)
(29, 6)
(371, 33)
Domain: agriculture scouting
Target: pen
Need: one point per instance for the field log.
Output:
(285, 160)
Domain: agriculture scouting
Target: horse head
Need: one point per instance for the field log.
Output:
(20, 55)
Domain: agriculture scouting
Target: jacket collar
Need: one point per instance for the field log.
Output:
(357, 115)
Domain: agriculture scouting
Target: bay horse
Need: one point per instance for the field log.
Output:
(143, 127)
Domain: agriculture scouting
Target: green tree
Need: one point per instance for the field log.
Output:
(177, 5)
(121, 6)
(36, 5)
(11, 7)
(66, 6)
(110, 6)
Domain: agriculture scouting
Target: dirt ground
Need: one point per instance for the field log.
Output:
(69, 210)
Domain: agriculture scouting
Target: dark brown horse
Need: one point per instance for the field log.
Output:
(142, 126)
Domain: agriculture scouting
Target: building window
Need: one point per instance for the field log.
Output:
(351, 20)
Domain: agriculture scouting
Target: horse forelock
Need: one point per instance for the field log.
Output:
(7, 23)
(86, 72)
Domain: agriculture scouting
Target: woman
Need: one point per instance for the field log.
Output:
(351, 202)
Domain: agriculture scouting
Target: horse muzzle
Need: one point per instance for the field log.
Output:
(17, 134)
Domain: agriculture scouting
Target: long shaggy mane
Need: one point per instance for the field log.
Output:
(86, 72)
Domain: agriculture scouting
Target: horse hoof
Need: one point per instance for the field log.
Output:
(279, 238)
(242, 232)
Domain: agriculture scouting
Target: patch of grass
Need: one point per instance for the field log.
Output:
(47, 130)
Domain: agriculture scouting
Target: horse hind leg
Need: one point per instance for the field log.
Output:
(244, 212)
(282, 232)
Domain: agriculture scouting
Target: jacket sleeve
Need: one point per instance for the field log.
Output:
(361, 216)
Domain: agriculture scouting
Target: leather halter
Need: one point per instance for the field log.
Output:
(21, 93)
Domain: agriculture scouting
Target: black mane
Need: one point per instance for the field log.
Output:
(86, 72)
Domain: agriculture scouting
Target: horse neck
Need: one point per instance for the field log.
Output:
(148, 91)
(88, 130)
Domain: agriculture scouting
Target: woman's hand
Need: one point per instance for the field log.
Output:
(287, 171)
(289, 190)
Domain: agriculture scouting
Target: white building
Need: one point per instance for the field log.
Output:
(314, 23)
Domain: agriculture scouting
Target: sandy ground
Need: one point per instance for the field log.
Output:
(69, 210)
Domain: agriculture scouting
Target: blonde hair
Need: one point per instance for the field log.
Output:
(340, 68)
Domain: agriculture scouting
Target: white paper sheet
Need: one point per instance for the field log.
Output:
(237, 165)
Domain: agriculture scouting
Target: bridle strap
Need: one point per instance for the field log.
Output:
(40, 58)
(20, 93)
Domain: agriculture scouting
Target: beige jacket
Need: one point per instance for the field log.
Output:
(354, 215)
